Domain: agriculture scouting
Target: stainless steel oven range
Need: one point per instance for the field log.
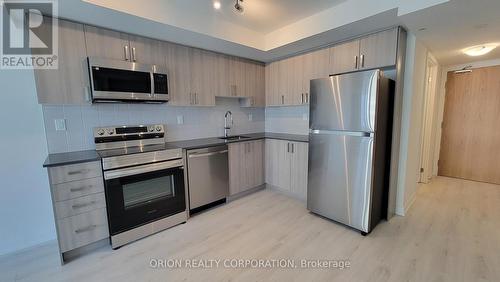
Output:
(144, 181)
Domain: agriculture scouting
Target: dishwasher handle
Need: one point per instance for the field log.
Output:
(201, 155)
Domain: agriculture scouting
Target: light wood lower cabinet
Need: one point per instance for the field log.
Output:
(79, 205)
(286, 166)
(246, 166)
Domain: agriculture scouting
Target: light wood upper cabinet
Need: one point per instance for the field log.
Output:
(222, 68)
(272, 78)
(246, 165)
(344, 57)
(374, 51)
(180, 90)
(69, 83)
(237, 77)
(378, 50)
(254, 85)
(144, 50)
(105, 43)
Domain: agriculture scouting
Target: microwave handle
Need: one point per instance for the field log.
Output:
(113, 174)
(152, 79)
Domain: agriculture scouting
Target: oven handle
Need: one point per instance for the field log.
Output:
(112, 174)
(199, 155)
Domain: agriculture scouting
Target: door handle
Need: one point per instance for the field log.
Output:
(356, 61)
(282, 99)
(362, 61)
(302, 98)
(288, 147)
(125, 50)
(293, 148)
(133, 54)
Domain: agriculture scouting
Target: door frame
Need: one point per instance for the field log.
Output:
(425, 168)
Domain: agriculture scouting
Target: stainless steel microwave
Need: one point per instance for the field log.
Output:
(121, 81)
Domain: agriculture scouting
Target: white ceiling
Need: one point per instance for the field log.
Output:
(265, 16)
(272, 29)
(455, 25)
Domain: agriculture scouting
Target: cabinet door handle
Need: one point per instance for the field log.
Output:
(293, 148)
(78, 171)
(196, 98)
(85, 229)
(356, 62)
(288, 147)
(282, 99)
(307, 98)
(81, 188)
(133, 54)
(125, 49)
(302, 98)
(362, 61)
(79, 206)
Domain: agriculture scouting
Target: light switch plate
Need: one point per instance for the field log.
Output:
(305, 117)
(180, 119)
(60, 124)
(250, 117)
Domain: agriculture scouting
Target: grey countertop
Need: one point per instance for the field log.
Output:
(91, 155)
(214, 141)
(71, 158)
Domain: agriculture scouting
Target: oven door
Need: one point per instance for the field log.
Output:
(141, 194)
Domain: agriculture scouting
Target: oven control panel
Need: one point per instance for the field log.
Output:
(128, 130)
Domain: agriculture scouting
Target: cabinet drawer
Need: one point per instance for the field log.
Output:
(83, 229)
(79, 188)
(79, 205)
(67, 173)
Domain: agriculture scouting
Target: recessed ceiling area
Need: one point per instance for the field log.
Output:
(265, 16)
(273, 29)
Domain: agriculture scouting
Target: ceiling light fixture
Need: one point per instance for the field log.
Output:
(217, 5)
(239, 7)
(480, 49)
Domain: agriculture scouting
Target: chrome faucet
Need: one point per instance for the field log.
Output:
(227, 126)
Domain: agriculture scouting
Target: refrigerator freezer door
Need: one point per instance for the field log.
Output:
(344, 102)
(340, 174)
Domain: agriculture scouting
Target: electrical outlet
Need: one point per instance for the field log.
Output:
(250, 117)
(305, 117)
(180, 119)
(60, 124)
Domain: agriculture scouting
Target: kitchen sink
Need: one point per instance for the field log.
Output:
(234, 137)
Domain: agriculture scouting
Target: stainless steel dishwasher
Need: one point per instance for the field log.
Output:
(208, 175)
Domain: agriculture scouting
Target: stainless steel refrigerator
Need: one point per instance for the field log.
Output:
(349, 148)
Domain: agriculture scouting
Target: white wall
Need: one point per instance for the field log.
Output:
(441, 99)
(410, 148)
(26, 217)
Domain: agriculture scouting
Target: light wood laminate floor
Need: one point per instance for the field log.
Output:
(452, 233)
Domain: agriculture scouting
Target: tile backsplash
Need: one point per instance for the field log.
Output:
(292, 120)
(198, 122)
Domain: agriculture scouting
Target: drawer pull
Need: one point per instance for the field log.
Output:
(78, 171)
(79, 206)
(86, 229)
(81, 188)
